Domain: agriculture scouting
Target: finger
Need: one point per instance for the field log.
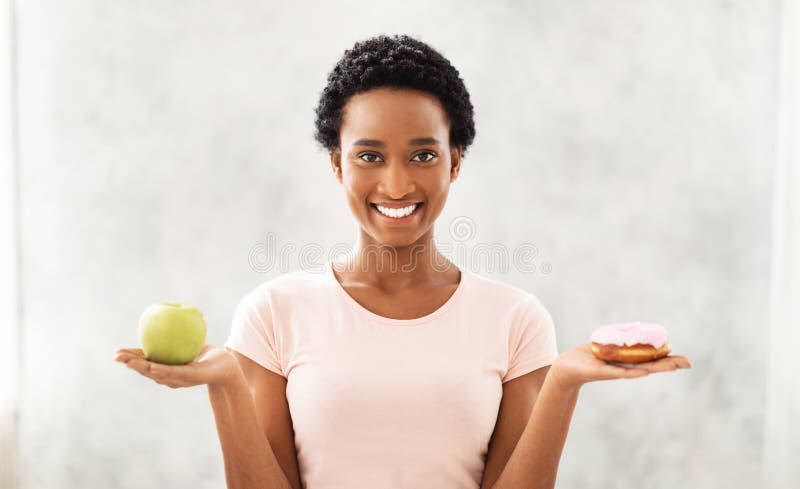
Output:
(666, 364)
(169, 383)
(126, 357)
(682, 361)
(158, 376)
(134, 351)
(616, 372)
(124, 354)
(150, 370)
(169, 375)
(166, 383)
(178, 375)
(139, 365)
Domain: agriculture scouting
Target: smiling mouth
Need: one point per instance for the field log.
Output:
(397, 213)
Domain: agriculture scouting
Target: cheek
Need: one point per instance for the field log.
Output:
(437, 194)
(439, 187)
(356, 185)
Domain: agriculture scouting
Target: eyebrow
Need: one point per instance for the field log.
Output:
(411, 142)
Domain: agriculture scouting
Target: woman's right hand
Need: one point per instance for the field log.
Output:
(213, 366)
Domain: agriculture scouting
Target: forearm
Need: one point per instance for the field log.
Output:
(249, 460)
(534, 462)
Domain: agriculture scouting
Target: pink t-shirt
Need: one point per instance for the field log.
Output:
(392, 403)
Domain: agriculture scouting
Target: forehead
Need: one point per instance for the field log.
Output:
(384, 113)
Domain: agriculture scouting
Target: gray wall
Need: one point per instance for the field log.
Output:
(630, 141)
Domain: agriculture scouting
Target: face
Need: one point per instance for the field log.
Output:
(394, 158)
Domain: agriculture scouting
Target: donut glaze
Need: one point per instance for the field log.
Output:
(630, 342)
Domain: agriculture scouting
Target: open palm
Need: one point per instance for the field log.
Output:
(213, 366)
(579, 366)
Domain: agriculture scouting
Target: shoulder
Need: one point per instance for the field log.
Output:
(502, 299)
(501, 292)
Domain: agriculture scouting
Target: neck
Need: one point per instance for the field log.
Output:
(392, 267)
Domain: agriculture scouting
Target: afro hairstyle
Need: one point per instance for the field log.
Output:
(398, 61)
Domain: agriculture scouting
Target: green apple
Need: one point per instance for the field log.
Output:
(172, 333)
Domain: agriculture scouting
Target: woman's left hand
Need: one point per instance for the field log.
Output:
(578, 366)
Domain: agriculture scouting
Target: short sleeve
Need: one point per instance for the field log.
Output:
(253, 332)
(532, 340)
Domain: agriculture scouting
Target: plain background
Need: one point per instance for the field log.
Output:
(632, 142)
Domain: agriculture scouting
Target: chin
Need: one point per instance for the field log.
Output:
(396, 240)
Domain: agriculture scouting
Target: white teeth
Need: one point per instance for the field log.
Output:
(396, 213)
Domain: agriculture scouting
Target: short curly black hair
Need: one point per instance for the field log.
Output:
(398, 61)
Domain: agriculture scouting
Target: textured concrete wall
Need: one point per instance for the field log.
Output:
(630, 141)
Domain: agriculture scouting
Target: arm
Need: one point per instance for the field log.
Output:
(250, 462)
(534, 461)
(237, 391)
(516, 406)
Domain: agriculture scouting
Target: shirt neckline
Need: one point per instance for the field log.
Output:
(354, 304)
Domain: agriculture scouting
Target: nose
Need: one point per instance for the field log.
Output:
(395, 181)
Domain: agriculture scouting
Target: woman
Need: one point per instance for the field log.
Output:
(394, 367)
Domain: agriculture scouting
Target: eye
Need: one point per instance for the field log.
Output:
(431, 154)
(368, 154)
(366, 157)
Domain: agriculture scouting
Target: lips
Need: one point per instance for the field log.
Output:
(397, 213)
(396, 204)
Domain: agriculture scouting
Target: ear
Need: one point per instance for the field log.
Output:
(336, 163)
(455, 163)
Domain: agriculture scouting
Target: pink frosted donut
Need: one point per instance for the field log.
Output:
(630, 342)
